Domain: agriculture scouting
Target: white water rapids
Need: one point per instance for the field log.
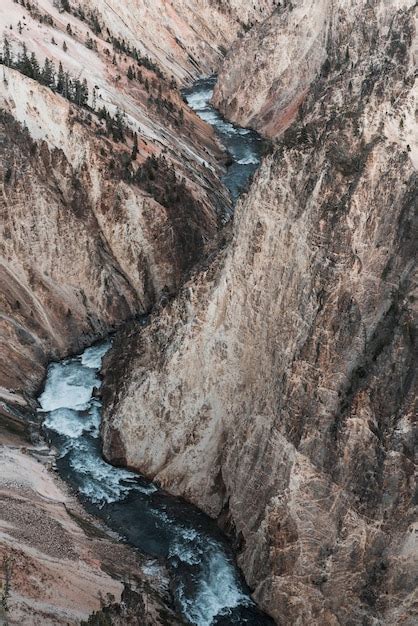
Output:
(208, 587)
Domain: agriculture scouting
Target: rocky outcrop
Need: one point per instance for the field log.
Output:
(267, 74)
(187, 38)
(87, 242)
(277, 392)
(58, 565)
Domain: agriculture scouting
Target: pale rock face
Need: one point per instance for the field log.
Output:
(82, 249)
(267, 75)
(58, 573)
(277, 392)
(187, 38)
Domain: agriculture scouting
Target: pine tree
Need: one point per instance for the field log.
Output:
(135, 148)
(84, 93)
(60, 79)
(81, 93)
(67, 89)
(118, 127)
(89, 42)
(7, 54)
(130, 73)
(48, 74)
(24, 64)
(64, 46)
(94, 98)
(35, 66)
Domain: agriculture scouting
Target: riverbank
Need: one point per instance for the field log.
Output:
(207, 587)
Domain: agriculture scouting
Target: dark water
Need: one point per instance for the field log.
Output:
(244, 146)
(208, 587)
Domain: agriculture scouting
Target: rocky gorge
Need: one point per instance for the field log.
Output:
(278, 391)
(274, 385)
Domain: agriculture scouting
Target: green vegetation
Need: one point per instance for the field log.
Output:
(73, 89)
(5, 585)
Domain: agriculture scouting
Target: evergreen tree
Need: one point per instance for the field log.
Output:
(64, 46)
(60, 79)
(67, 89)
(24, 64)
(48, 74)
(84, 93)
(118, 127)
(35, 66)
(135, 148)
(89, 42)
(130, 73)
(7, 54)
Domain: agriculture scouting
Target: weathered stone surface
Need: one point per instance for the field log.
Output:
(188, 38)
(278, 390)
(85, 245)
(59, 564)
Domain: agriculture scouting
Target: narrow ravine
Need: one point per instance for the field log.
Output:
(244, 145)
(207, 587)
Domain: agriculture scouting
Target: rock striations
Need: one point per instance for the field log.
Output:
(111, 193)
(87, 242)
(277, 390)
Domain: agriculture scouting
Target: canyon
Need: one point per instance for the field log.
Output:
(278, 390)
(88, 243)
(273, 384)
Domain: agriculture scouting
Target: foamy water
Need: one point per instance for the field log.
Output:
(208, 583)
(244, 146)
(205, 580)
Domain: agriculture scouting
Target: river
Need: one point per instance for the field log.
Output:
(208, 588)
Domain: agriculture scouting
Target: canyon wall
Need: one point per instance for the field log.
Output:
(87, 241)
(265, 78)
(188, 38)
(277, 391)
(108, 200)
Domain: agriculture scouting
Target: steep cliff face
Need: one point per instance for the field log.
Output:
(277, 391)
(267, 74)
(87, 240)
(110, 194)
(188, 38)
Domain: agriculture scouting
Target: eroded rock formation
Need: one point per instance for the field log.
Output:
(277, 392)
(105, 207)
(85, 243)
(188, 38)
